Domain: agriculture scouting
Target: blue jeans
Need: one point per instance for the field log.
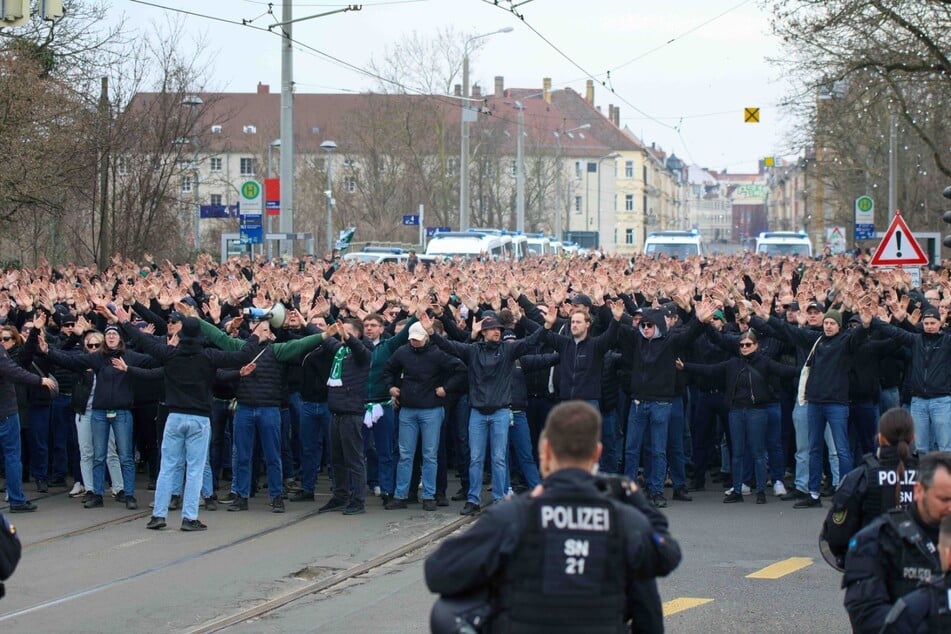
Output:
(39, 419)
(774, 442)
(184, 447)
(676, 460)
(609, 443)
(652, 417)
(413, 423)
(314, 436)
(385, 434)
(863, 425)
(932, 422)
(10, 445)
(748, 425)
(121, 423)
(890, 397)
(800, 418)
(520, 438)
(837, 417)
(710, 408)
(267, 422)
(483, 428)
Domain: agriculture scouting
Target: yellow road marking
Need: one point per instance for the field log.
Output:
(682, 603)
(781, 568)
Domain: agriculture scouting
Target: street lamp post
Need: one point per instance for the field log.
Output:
(467, 111)
(329, 146)
(613, 155)
(194, 103)
(559, 204)
(270, 174)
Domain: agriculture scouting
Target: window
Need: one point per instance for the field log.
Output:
(577, 169)
(628, 169)
(215, 200)
(186, 184)
(578, 204)
(629, 202)
(215, 163)
(122, 166)
(628, 236)
(248, 166)
(350, 184)
(592, 168)
(250, 129)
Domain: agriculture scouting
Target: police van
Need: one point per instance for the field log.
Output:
(466, 244)
(377, 255)
(784, 243)
(675, 244)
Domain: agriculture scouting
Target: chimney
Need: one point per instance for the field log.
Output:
(614, 115)
(499, 86)
(546, 89)
(477, 92)
(263, 89)
(457, 90)
(589, 92)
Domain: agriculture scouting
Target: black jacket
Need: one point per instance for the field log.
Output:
(11, 373)
(746, 379)
(578, 375)
(525, 365)
(419, 371)
(113, 387)
(653, 373)
(929, 373)
(351, 396)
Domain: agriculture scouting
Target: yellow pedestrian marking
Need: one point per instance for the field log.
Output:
(751, 115)
(683, 603)
(781, 568)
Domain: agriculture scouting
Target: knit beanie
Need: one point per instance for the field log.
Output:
(834, 314)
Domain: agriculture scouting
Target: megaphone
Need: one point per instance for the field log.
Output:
(274, 315)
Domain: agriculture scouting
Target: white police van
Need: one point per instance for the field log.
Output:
(784, 243)
(467, 244)
(675, 244)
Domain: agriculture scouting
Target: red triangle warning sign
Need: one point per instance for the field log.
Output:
(898, 247)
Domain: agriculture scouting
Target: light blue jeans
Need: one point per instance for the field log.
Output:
(184, 447)
(84, 438)
(801, 425)
(413, 423)
(120, 421)
(932, 423)
(482, 429)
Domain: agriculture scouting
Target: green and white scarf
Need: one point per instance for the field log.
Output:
(336, 370)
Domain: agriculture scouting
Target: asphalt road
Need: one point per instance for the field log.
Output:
(100, 570)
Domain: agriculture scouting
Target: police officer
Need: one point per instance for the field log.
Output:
(883, 481)
(567, 557)
(889, 557)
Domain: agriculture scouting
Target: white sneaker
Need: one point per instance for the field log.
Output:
(746, 490)
(377, 491)
(779, 488)
(77, 490)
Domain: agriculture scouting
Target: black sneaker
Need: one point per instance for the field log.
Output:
(156, 523)
(385, 498)
(354, 508)
(681, 494)
(429, 505)
(119, 497)
(732, 497)
(193, 525)
(88, 495)
(335, 504)
(793, 495)
(442, 500)
(131, 503)
(277, 504)
(761, 497)
(659, 501)
(26, 507)
(460, 495)
(93, 502)
(175, 503)
(42, 486)
(239, 504)
(395, 504)
(470, 509)
(211, 504)
(808, 502)
(301, 496)
(228, 499)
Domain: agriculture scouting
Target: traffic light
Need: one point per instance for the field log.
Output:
(947, 216)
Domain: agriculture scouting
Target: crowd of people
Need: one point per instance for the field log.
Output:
(770, 372)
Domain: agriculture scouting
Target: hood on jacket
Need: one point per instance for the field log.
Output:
(658, 317)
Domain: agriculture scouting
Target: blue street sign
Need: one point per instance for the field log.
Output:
(864, 231)
(431, 231)
(411, 220)
(219, 211)
(251, 229)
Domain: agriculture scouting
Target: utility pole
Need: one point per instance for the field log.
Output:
(520, 170)
(105, 244)
(287, 126)
(892, 166)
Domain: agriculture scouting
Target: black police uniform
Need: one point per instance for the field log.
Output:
(886, 560)
(927, 609)
(571, 560)
(865, 493)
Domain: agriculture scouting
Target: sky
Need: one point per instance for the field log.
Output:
(682, 71)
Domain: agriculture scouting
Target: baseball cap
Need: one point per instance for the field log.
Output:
(718, 314)
(814, 306)
(417, 332)
(580, 298)
(931, 312)
(793, 305)
(508, 335)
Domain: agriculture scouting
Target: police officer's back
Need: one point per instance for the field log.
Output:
(888, 558)
(567, 557)
(883, 481)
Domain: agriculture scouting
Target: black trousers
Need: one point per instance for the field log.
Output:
(346, 455)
